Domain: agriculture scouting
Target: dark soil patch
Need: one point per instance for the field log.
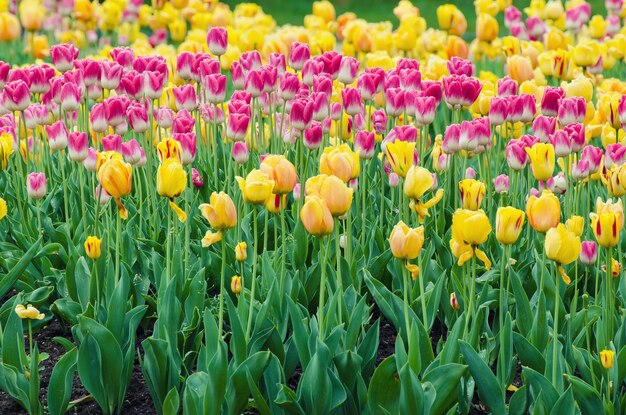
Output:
(386, 336)
(136, 402)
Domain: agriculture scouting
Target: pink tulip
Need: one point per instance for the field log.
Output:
(499, 111)
(368, 85)
(594, 156)
(410, 79)
(501, 183)
(278, 61)
(580, 170)
(237, 76)
(111, 74)
(313, 135)
(184, 63)
(364, 144)
(310, 70)
(301, 114)
(544, 127)
(153, 84)
(562, 143)
(470, 173)
(394, 101)
(468, 139)
(348, 70)
(4, 73)
(57, 136)
(332, 62)
(460, 66)
(202, 66)
(557, 184)
(289, 85)
(425, 109)
(40, 77)
(379, 121)
(112, 142)
(588, 252)
(351, 101)
(270, 78)
(138, 118)
(516, 156)
(63, 56)
(512, 15)
(188, 145)
(241, 154)
(299, 54)
(30, 118)
(123, 56)
(115, 109)
(528, 105)
(576, 133)
(217, 40)
(36, 185)
(451, 139)
(185, 97)
(101, 195)
(91, 161)
(196, 178)
(164, 117)
(237, 126)
(320, 106)
(254, 83)
(297, 192)
(215, 86)
(572, 110)
(550, 100)
(394, 179)
(132, 85)
(70, 97)
(16, 95)
(461, 90)
(251, 61)
(183, 122)
(78, 145)
(621, 110)
(323, 83)
(131, 150)
(614, 155)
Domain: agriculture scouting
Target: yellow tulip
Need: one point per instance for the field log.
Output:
(509, 223)
(178, 30)
(115, 176)
(9, 27)
(93, 247)
(520, 68)
(575, 224)
(597, 27)
(580, 87)
(3, 208)
(553, 10)
(541, 160)
(169, 148)
(406, 243)
(171, 179)
(282, 171)
(486, 27)
(235, 284)
(607, 222)
(220, 212)
(470, 228)
(472, 193)
(586, 53)
(32, 14)
(40, 49)
(563, 247)
(418, 181)
(211, 238)
(451, 19)
(336, 194)
(325, 10)
(340, 161)
(29, 312)
(256, 187)
(6, 149)
(543, 212)
(615, 185)
(275, 203)
(401, 156)
(607, 357)
(241, 251)
(316, 216)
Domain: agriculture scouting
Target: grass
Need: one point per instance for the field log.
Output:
(293, 12)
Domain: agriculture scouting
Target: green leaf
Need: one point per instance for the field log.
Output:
(384, 388)
(528, 354)
(445, 379)
(6, 282)
(586, 397)
(411, 392)
(489, 390)
(60, 387)
(565, 404)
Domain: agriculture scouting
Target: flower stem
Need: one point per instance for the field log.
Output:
(555, 340)
(405, 284)
(320, 309)
(118, 231)
(222, 278)
(253, 277)
(501, 370)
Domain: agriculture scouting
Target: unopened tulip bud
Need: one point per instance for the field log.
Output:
(588, 252)
(235, 284)
(470, 173)
(196, 178)
(454, 302)
(501, 183)
(241, 251)
(342, 241)
(394, 179)
(93, 247)
(297, 192)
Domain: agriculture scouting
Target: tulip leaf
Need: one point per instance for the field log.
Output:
(528, 354)
(489, 388)
(60, 386)
(7, 282)
(586, 397)
(445, 380)
(565, 404)
(524, 317)
(384, 388)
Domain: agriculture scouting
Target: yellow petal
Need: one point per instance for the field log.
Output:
(182, 216)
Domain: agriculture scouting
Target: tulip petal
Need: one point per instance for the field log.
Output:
(483, 257)
(182, 216)
(123, 211)
(566, 279)
(413, 269)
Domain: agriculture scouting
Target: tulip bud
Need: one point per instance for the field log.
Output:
(607, 357)
(501, 183)
(454, 302)
(36, 185)
(394, 179)
(240, 152)
(470, 173)
(297, 192)
(241, 251)
(93, 247)
(196, 178)
(588, 253)
(235, 284)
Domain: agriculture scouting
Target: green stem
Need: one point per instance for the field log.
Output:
(339, 274)
(501, 370)
(320, 309)
(253, 277)
(222, 278)
(405, 283)
(555, 340)
(118, 231)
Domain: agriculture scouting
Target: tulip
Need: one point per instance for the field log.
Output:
(16, 95)
(138, 118)
(112, 142)
(241, 253)
(313, 136)
(93, 247)
(472, 193)
(406, 243)
(425, 108)
(501, 183)
(185, 97)
(10, 27)
(572, 110)
(351, 101)
(36, 187)
(364, 144)
(562, 246)
(281, 171)
(544, 127)
(301, 114)
(586, 53)
(256, 187)
(542, 160)
(348, 70)
(550, 100)
(575, 224)
(576, 134)
(131, 150)
(316, 217)
(78, 146)
(28, 312)
(461, 90)
(115, 176)
(110, 74)
(594, 156)
(63, 56)
(607, 224)
(588, 253)
(217, 40)
(240, 152)
(561, 143)
(606, 358)
(340, 161)
(451, 19)
(451, 141)
(336, 194)
(520, 68)
(544, 212)
(507, 87)
(401, 156)
(379, 121)
(394, 101)
(469, 229)
(509, 222)
(220, 212)
(57, 136)
(211, 238)
(418, 181)
(394, 180)
(171, 181)
(298, 55)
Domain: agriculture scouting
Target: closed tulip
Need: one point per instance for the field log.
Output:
(340, 161)
(235, 284)
(220, 212)
(606, 226)
(509, 223)
(282, 171)
(336, 194)
(406, 243)
(563, 247)
(586, 53)
(241, 253)
(576, 224)
(93, 247)
(541, 160)
(256, 187)
(418, 181)
(606, 358)
(544, 212)
(316, 216)
(401, 156)
(171, 182)
(115, 176)
(472, 193)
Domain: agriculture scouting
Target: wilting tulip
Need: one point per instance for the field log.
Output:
(281, 171)
(256, 187)
(340, 161)
(472, 193)
(401, 156)
(115, 176)
(211, 238)
(93, 247)
(588, 253)
(196, 178)
(509, 222)
(220, 212)
(217, 40)
(36, 185)
(542, 160)
(316, 217)
(406, 243)
(544, 212)
(28, 312)
(563, 247)
(469, 229)
(171, 182)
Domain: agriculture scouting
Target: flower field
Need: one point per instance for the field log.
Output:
(203, 211)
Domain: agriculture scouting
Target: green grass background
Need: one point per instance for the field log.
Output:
(293, 11)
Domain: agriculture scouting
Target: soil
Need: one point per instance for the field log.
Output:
(137, 401)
